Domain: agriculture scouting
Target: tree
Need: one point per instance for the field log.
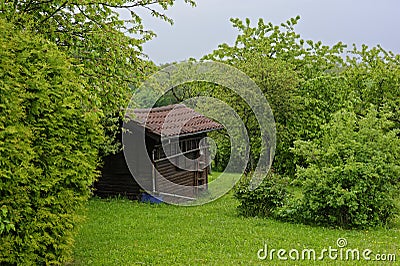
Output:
(280, 62)
(374, 76)
(66, 68)
(108, 48)
(341, 115)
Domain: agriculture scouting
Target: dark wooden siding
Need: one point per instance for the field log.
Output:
(116, 179)
(176, 173)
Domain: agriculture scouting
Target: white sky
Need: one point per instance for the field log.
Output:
(198, 30)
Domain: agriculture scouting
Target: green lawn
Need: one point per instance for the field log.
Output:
(123, 232)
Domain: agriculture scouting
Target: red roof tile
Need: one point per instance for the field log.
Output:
(174, 120)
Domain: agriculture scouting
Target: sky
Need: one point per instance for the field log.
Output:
(199, 30)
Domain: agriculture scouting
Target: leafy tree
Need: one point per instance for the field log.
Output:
(107, 47)
(343, 115)
(268, 41)
(281, 63)
(374, 76)
(66, 71)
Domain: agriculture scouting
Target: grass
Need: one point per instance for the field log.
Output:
(123, 232)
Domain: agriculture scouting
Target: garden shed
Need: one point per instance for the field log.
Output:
(174, 161)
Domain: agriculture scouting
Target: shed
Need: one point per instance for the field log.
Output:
(174, 161)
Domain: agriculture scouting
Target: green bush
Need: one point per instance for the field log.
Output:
(350, 177)
(262, 201)
(48, 145)
(352, 173)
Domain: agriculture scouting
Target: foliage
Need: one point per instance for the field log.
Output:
(268, 41)
(306, 83)
(352, 173)
(223, 152)
(5, 224)
(280, 62)
(374, 76)
(264, 200)
(108, 48)
(368, 76)
(67, 68)
(49, 138)
(276, 80)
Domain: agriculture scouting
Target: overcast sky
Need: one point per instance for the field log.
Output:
(198, 30)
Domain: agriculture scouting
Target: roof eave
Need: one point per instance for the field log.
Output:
(190, 133)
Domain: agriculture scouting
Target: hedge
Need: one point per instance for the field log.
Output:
(49, 137)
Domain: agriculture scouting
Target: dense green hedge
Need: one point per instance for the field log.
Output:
(48, 145)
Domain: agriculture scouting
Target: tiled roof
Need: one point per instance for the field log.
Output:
(174, 120)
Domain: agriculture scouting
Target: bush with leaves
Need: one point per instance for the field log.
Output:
(264, 200)
(49, 138)
(352, 174)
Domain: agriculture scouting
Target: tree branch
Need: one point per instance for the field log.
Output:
(140, 3)
(90, 19)
(176, 96)
(55, 12)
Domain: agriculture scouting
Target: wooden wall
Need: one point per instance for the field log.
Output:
(116, 178)
(178, 175)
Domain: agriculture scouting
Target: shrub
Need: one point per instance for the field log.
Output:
(48, 145)
(352, 172)
(262, 201)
